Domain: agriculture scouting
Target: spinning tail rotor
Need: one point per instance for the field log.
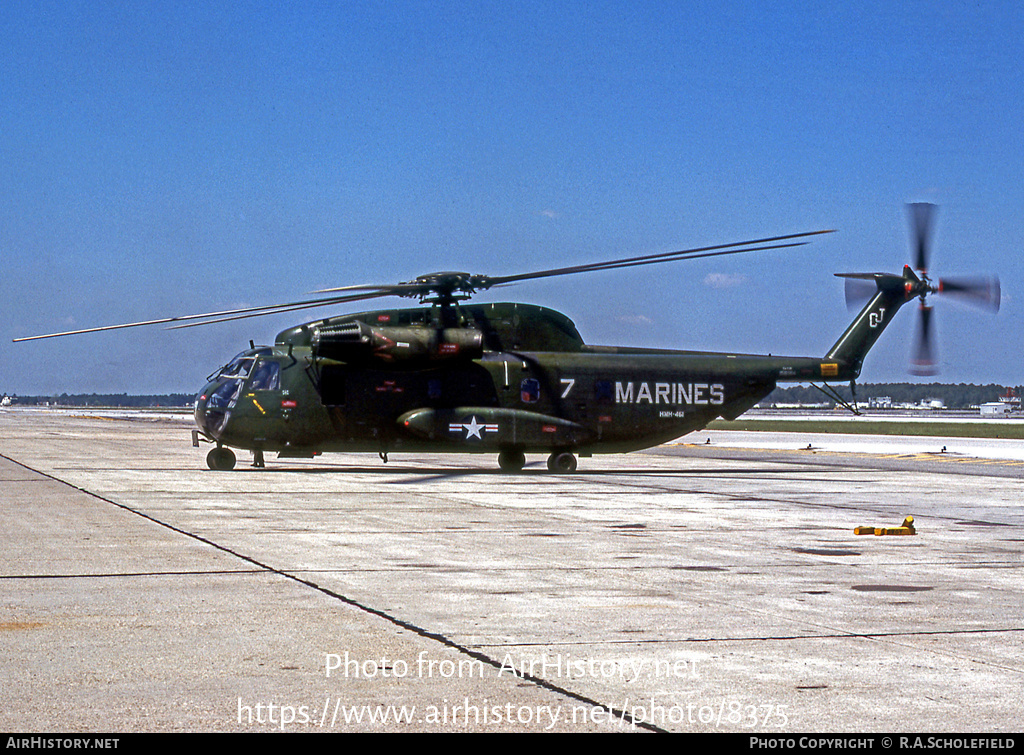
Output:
(978, 291)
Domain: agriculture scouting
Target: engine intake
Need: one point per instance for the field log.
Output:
(354, 342)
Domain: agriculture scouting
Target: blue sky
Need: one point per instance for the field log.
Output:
(166, 158)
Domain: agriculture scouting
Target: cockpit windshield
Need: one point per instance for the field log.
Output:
(225, 396)
(231, 377)
(240, 367)
(237, 368)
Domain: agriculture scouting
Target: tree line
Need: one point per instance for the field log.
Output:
(953, 396)
(107, 399)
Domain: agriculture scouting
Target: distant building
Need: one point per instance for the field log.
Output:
(1007, 406)
(995, 409)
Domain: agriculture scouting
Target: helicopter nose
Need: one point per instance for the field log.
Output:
(210, 411)
(213, 406)
(200, 412)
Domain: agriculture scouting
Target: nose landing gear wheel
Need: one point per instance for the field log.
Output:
(221, 459)
(511, 461)
(562, 463)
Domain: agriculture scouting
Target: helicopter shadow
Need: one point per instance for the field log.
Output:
(410, 475)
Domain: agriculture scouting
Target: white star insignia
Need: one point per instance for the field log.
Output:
(473, 429)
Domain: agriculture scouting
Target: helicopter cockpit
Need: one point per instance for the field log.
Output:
(215, 402)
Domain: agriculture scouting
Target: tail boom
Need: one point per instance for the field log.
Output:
(892, 292)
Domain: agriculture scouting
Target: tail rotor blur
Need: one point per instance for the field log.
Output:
(982, 292)
(924, 361)
(979, 291)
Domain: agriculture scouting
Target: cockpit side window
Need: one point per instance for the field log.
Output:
(238, 368)
(266, 376)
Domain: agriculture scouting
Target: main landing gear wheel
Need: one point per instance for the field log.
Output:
(511, 461)
(221, 459)
(562, 462)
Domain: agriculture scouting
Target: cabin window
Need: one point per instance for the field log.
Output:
(434, 389)
(529, 390)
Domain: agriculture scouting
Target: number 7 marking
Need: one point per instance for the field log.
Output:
(568, 383)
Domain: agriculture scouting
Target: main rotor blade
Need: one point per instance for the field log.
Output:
(651, 259)
(388, 289)
(483, 282)
(452, 283)
(922, 220)
(227, 314)
(279, 309)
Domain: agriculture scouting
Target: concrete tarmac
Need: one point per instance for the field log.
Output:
(691, 588)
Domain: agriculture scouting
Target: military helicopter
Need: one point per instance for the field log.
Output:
(506, 378)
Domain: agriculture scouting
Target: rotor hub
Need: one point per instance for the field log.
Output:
(445, 287)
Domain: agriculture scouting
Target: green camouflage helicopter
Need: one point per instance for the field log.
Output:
(509, 379)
